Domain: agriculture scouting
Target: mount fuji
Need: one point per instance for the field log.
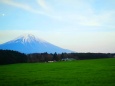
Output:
(30, 44)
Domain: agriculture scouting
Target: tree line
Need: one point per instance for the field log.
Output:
(10, 56)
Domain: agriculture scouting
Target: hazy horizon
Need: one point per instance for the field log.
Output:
(78, 25)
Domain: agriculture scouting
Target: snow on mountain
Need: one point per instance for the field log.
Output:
(27, 38)
(30, 44)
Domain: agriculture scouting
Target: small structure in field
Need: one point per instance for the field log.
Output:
(51, 61)
(67, 59)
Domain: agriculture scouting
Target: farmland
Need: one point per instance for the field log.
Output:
(96, 72)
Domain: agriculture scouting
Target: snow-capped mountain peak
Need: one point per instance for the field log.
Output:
(28, 43)
(28, 38)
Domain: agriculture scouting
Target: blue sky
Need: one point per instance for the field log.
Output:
(79, 25)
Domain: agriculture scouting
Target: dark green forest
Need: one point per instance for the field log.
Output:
(11, 57)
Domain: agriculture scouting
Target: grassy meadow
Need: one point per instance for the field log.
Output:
(97, 72)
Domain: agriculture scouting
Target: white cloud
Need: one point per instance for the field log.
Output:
(30, 8)
(44, 5)
(22, 6)
(78, 12)
(82, 13)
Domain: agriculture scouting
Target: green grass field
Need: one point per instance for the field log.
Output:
(98, 72)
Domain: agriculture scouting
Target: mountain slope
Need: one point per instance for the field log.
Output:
(30, 44)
